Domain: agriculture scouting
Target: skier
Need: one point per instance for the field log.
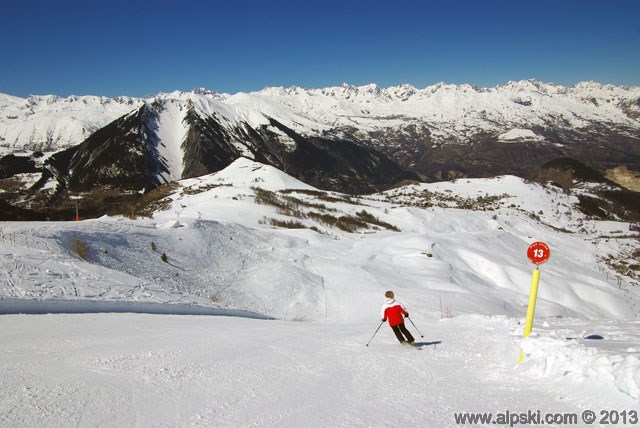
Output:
(393, 311)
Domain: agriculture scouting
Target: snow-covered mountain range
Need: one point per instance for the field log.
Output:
(347, 138)
(50, 123)
(451, 113)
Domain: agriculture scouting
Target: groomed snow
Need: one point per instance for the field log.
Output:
(114, 370)
(463, 275)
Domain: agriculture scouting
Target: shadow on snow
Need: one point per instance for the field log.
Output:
(434, 343)
(55, 306)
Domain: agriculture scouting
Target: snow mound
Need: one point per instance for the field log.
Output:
(608, 362)
(228, 195)
(518, 134)
(171, 224)
(246, 173)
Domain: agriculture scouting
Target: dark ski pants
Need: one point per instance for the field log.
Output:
(399, 330)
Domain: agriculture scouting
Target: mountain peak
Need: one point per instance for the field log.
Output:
(244, 172)
(204, 91)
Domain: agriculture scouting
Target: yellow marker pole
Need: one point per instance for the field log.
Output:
(533, 296)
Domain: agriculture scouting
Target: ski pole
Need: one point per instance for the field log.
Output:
(374, 334)
(411, 321)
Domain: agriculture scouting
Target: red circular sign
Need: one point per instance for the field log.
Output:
(538, 253)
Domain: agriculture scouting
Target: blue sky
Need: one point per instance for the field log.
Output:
(139, 47)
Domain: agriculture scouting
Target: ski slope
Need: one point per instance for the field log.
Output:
(462, 273)
(184, 371)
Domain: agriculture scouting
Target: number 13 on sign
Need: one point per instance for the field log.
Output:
(538, 253)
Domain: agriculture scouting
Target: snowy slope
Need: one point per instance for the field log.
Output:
(462, 273)
(170, 132)
(222, 246)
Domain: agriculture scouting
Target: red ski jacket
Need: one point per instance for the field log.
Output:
(393, 311)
